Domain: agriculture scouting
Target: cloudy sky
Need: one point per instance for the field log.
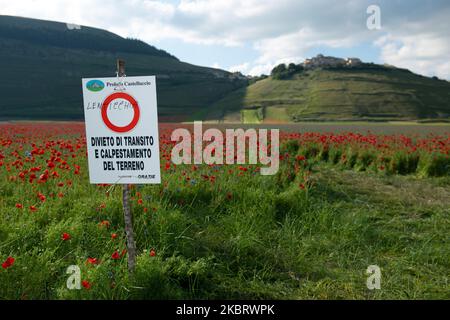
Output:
(252, 36)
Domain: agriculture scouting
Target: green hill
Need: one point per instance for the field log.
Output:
(42, 64)
(367, 92)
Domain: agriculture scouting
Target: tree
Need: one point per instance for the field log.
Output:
(280, 72)
(278, 69)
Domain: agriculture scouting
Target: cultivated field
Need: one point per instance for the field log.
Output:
(343, 199)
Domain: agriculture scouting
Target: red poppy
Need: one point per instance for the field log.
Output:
(104, 223)
(41, 197)
(92, 260)
(114, 236)
(115, 255)
(33, 208)
(152, 253)
(43, 178)
(86, 284)
(8, 262)
(19, 206)
(65, 236)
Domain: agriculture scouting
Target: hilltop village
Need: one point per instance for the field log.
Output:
(324, 61)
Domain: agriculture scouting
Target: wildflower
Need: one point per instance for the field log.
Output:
(8, 262)
(33, 208)
(41, 197)
(104, 223)
(65, 236)
(114, 236)
(152, 253)
(115, 255)
(43, 178)
(92, 260)
(32, 177)
(86, 284)
(19, 206)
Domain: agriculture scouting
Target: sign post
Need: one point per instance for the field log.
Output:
(122, 137)
(128, 218)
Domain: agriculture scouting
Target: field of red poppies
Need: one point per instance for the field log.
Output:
(339, 203)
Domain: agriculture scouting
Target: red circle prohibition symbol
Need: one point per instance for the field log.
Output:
(130, 99)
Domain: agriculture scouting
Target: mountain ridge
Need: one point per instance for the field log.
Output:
(44, 62)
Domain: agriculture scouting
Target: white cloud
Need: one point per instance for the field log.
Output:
(422, 54)
(292, 47)
(243, 68)
(423, 46)
(414, 33)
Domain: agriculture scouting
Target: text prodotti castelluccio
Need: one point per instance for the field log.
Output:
(126, 148)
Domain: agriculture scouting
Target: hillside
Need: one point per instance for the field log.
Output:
(42, 64)
(368, 92)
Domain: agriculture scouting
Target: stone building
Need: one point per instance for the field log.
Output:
(324, 61)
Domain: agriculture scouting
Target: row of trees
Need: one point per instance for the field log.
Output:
(283, 72)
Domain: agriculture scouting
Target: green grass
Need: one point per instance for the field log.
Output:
(243, 236)
(252, 116)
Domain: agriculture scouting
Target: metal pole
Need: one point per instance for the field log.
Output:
(131, 245)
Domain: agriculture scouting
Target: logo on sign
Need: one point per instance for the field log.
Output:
(95, 85)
